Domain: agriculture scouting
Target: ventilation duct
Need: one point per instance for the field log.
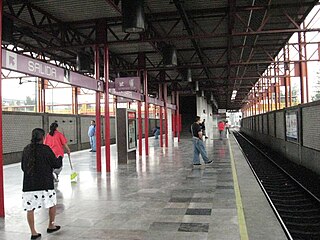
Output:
(169, 56)
(83, 62)
(132, 16)
(7, 30)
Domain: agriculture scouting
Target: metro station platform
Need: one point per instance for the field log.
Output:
(159, 197)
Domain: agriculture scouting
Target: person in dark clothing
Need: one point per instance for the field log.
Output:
(37, 164)
(198, 146)
(203, 128)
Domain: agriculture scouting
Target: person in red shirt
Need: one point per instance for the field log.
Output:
(221, 128)
(57, 142)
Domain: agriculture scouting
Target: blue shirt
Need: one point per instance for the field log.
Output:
(91, 131)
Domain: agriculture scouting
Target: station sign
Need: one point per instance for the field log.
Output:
(155, 101)
(171, 106)
(33, 67)
(127, 84)
(127, 94)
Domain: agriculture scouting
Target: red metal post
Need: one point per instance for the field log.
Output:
(106, 107)
(98, 111)
(139, 127)
(146, 113)
(161, 117)
(306, 64)
(165, 98)
(2, 213)
(178, 116)
(301, 67)
(173, 114)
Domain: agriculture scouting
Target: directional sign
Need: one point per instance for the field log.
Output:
(27, 65)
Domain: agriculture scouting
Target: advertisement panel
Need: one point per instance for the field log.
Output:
(292, 126)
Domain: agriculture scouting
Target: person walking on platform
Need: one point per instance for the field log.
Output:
(198, 145)
(221, 128)
(227, 127)
(92, 135)
(203, 128)
(57, 142)
(37, 164)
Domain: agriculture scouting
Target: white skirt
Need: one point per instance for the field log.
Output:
(38, 199)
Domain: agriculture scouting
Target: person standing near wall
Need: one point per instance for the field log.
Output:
(57, 142)
(227, 127)
(198, 145)
(221, 128)
(37, 164)
(92, 135)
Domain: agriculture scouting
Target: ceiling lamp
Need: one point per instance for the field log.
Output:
(83, 63)
(189, 75)
(169, 56)
(7, 30)
(132, 16)
(197, 86)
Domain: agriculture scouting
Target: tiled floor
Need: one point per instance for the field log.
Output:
(159, 197)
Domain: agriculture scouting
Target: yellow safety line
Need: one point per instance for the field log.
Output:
(241, 218)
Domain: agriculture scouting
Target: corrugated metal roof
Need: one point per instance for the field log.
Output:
(209, 35)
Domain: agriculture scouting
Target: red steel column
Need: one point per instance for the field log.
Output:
(173, 114)
(98, 111)
(161, 117)
(106, 107)
(301, 67)
(165, 98)
(306, 64)
(2, 213)
(139, 127)
(178, 116)
(146, 113)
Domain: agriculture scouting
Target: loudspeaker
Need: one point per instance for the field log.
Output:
(169, 56)
(83, 63)
(7, 30)
(133, 19)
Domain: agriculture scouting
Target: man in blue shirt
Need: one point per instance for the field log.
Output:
(92, 135)
(198, 146)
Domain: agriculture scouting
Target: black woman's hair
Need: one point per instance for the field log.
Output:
(53, 128)
(37, 138)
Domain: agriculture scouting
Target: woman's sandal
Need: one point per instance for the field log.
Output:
(36, 236)
(51, 230)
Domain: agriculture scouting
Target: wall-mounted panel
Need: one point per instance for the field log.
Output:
(17, 130)
(67, 125)
(280, 131)
(271, 124)
(311, 126)
(265, 123)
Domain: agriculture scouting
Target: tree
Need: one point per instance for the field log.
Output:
(317, 89)
(29, 101)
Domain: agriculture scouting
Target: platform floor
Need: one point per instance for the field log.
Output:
(159, 197)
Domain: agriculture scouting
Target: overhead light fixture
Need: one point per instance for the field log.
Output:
(234, 94)
(211, 98)
(169, 56)
(133, 19)
(7, 30)
(197, 86)
(83, 62)
(189, 75)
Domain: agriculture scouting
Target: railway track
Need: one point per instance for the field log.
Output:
(297, 208)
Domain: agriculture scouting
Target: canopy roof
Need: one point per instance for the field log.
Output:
(227, 44)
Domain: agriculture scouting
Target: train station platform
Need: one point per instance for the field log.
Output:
(162, 196)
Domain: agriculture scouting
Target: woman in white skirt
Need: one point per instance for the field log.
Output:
(38, 162)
